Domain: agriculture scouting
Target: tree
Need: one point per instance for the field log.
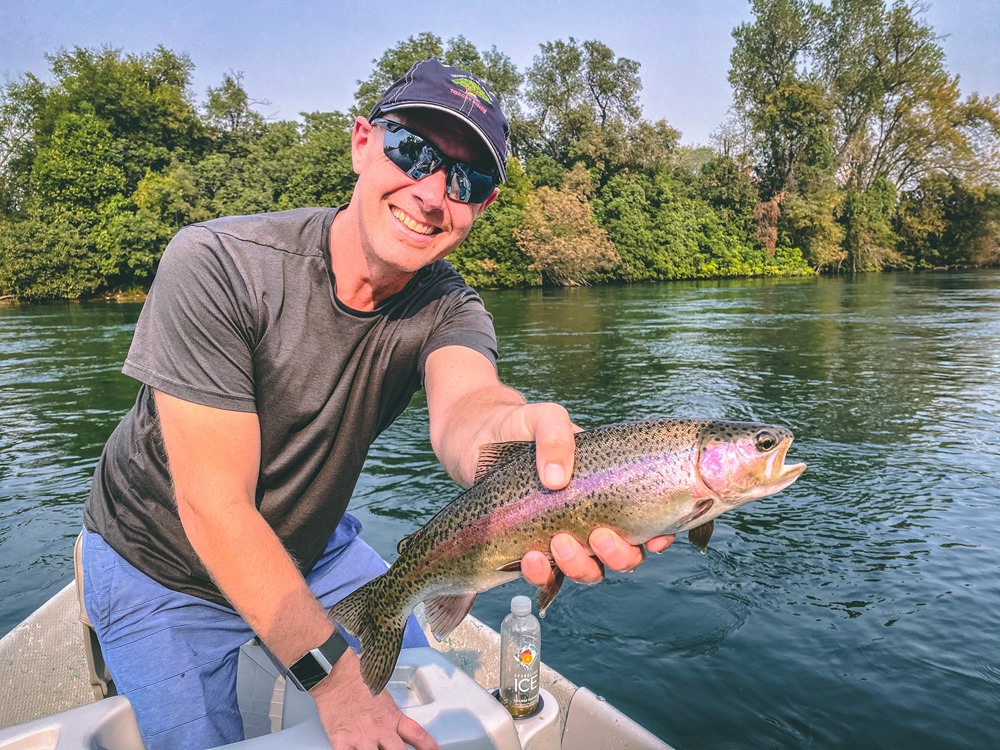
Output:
(731, 191)
(584, 106)
(322, 173)
(560, 235)
(626, 213)
(898, 112)
(774, 91)
(79, 163)
(809, 221)
(144, 100)
(944, 222)
(20, 102)
(867, 216)
(771, 91)
(231, 115)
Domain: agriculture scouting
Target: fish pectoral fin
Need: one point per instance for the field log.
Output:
(514, 566)
(492, 455)
(699, 536)
(547, 593)
(446, 611)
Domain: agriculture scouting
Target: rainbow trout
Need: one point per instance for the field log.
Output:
(641, 479)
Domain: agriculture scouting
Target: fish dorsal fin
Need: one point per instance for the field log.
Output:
(445, 612)
(494, 454)
(699, 536)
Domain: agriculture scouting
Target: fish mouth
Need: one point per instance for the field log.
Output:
(781, 474)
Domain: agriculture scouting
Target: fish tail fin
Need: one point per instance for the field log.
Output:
(379, 628)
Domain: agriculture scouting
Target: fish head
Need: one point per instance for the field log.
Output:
(744, 461)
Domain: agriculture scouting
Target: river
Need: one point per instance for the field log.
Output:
(859, 608)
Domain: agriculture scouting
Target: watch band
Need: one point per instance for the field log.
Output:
(317, 663)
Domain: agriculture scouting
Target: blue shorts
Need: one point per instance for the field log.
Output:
(175, 655)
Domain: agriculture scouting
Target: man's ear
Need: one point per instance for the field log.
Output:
(361, 138)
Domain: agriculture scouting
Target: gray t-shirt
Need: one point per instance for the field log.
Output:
(242, 316)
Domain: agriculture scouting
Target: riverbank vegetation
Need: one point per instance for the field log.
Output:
(849, 147)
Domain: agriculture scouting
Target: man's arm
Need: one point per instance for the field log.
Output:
(214, 458)
(470, 407)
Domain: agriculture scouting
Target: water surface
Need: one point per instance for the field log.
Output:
(858, 608)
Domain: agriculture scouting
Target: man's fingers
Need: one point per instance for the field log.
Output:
(575, 561)
(536, 569)
(410, 731)
(659, 543)
(607, 548)
(614, 551)
(553, 432)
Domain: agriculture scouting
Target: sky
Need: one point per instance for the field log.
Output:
(307, 56)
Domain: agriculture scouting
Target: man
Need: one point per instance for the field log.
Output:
(272, 351)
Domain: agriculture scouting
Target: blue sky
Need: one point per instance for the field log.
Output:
(308, 56)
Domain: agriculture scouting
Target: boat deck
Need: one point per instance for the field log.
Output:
(43, 670)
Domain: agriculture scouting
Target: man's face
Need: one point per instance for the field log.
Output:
(407, 224)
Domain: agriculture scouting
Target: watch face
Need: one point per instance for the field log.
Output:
(308, 671)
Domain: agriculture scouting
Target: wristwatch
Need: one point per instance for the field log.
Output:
(317, 663)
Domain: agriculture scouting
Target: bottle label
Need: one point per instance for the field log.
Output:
(527, 656)
(522, 678)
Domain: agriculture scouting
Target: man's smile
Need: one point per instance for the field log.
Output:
(410, 223)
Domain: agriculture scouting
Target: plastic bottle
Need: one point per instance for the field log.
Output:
(520, 658)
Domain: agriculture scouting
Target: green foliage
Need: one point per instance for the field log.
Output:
(848, 148)
(944, 222)
(323, 174)
(49, 255)
(79, 163)
(809, 221)
(664, 230)
(490, 257)
(143, 100)
(558, 232)
(866, 216)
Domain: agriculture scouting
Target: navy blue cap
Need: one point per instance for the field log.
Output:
(432, 85)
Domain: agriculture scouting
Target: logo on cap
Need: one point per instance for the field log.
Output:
(474, 92)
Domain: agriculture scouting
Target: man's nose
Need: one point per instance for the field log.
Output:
(431, 190)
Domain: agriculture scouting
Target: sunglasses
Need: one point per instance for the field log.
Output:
(415, 156)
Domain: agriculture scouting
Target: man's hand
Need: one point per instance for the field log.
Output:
(354, 719)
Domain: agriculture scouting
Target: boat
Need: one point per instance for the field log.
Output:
(56, 701)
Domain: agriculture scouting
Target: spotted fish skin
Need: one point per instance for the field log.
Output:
(642, 479)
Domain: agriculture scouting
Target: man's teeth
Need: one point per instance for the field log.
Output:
(411, 223)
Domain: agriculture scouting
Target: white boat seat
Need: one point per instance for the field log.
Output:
(100, 678)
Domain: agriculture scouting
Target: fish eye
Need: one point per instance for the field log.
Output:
(765, 441)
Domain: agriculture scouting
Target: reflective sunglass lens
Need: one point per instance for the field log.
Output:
(418, 159)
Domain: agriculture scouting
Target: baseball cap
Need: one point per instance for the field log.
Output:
(429, 84)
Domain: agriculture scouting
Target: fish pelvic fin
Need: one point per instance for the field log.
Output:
(445, 612)
(699, 536)
(547, 593)
(364, 615)
(492, 455)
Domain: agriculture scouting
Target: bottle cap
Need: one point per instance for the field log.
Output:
(520, 605)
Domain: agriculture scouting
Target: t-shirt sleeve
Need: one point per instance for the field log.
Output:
(463, 321)
(196, 334)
